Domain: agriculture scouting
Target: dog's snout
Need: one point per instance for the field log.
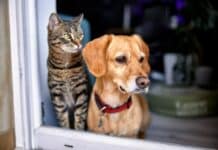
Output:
(142, 82)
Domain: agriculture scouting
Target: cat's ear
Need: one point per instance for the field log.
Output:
(54, 21)
(94, 54)
(78, 19)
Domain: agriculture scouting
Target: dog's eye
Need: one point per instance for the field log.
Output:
(121, 59)
(141, 59)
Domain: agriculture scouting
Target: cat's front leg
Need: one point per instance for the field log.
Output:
(80, 113)
(61, 110)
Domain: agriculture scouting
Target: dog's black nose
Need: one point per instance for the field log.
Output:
(142, 82)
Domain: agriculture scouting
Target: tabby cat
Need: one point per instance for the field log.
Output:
(67, 79)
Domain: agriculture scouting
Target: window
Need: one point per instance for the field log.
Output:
(28, 21)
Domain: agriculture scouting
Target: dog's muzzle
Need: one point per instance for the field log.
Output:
(138, 85)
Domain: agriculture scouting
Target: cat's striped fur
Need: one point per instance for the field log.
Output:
(67, 79)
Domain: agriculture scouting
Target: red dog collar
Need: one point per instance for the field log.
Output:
(105, 108)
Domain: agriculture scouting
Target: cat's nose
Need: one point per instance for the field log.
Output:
(77, 43)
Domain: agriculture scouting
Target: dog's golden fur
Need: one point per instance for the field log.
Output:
(100, 56)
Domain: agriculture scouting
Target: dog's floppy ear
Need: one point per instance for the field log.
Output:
(94, 54)
(142, 44)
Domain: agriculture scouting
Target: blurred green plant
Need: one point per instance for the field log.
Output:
(202, 14)
(201, 17)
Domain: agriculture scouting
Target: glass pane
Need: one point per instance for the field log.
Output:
(183, 95)
(6, 107)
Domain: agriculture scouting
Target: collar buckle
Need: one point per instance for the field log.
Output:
(103, 108)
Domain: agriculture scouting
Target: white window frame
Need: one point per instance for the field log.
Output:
(25, 16)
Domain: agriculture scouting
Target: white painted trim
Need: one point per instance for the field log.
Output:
(32, 58)
(26, 96)
(51, 138)
(14, 17)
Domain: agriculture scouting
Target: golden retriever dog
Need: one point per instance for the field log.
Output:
(120, 65)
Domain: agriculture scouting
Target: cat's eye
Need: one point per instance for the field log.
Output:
(141, 59)
(66, 36)
(121, 59)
